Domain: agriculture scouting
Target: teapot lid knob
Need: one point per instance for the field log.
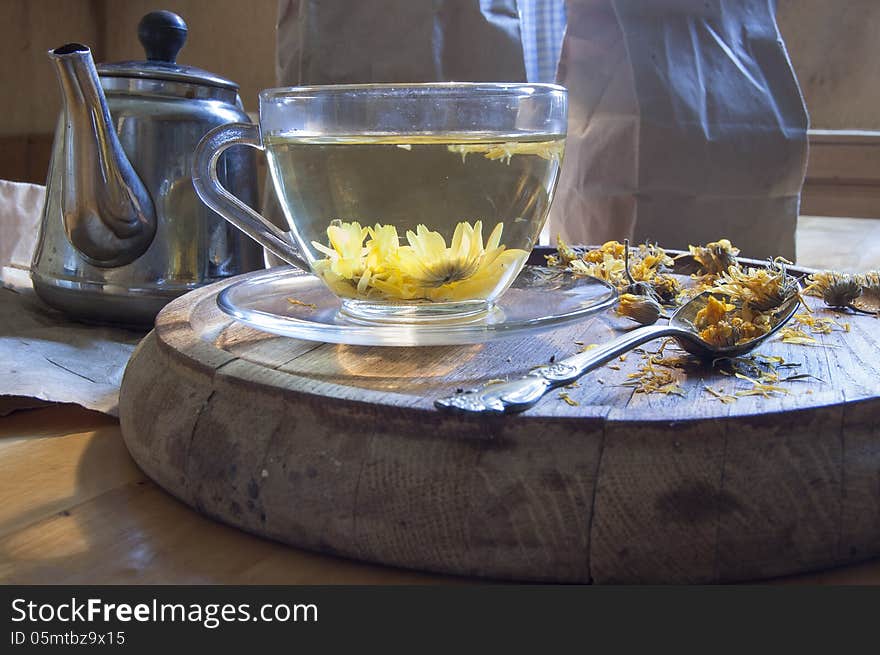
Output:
(162, 34)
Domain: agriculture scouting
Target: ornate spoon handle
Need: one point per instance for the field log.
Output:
(518, 395)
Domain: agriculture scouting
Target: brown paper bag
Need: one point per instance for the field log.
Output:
(686, 124)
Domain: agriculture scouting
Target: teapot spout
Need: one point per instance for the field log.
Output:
(108, 213)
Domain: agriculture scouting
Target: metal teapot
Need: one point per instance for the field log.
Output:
(122, 230)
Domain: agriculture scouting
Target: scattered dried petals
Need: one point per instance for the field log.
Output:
(798, 337)
(760, 388)
(649, 379)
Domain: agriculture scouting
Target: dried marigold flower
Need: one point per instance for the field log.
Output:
(714, 258)
(644, 272)
(649, 260)
(836, 289)
(613, 249)
(842, 294)
(758, 289)
(610, 270)
(666, 287)
(870, 281)
(723, 325)
(641, 309)
(869, 301)
(637, 271)
(565, 253)
(714, 312)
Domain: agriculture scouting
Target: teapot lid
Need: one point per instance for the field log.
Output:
(162, 35)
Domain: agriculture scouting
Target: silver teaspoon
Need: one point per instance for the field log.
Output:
(519, 395)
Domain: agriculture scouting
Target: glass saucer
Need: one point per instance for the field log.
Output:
(291, 303)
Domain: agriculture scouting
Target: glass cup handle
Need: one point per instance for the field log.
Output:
(212, 193)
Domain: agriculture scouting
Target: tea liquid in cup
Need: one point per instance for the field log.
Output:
(419, 202)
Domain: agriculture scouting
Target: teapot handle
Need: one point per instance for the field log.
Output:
(212, 193)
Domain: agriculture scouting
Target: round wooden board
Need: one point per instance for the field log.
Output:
(339, 449)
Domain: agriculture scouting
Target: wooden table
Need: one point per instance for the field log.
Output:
(75, 509)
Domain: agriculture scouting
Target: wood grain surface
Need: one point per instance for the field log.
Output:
(84, 514)
(338, 449)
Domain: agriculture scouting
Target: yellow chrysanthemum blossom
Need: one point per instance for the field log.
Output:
(424, 269)
(346, 251)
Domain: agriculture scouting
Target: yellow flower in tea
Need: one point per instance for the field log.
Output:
(346, 251)
(424, 269)
(466, 269)
(382, 247)
(431, 264)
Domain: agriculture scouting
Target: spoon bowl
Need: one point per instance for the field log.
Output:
(518, 395)
(690, 340)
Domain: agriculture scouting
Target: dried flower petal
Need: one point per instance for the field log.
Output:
(568, 399)
(300, 303)
(799, 337)
(724, 398)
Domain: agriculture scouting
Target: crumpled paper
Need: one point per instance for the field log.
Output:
(45, 356)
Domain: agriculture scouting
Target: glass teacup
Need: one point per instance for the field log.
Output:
(411, 202)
